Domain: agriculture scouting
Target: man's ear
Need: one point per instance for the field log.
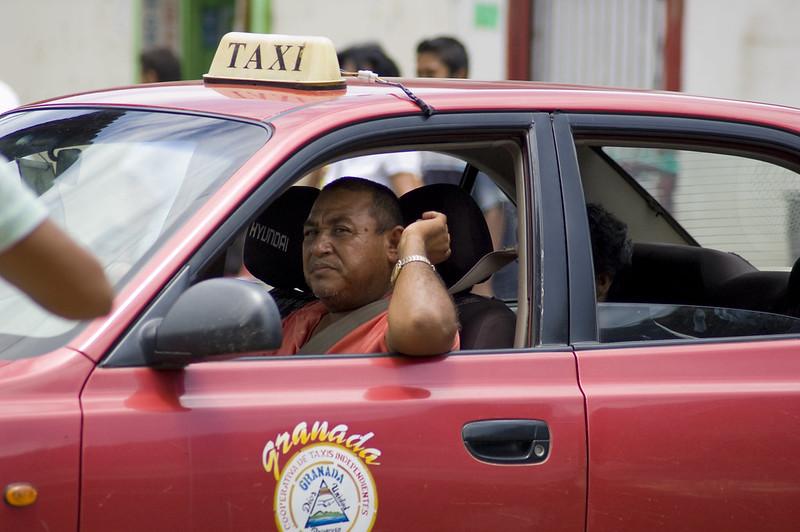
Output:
(392, 242)
(602, 283)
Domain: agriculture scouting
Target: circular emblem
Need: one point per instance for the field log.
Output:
(327, 488)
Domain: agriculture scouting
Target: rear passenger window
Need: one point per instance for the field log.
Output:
(714, 237)
(726, 202)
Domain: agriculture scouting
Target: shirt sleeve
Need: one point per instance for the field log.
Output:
(400, 162)
(486, 193)
(20, 211)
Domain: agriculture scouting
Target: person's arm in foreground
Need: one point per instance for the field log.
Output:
(422, 317)
(57, 273)
(402, 182)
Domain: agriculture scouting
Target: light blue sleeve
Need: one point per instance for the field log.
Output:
(20, 211)
(486, 193)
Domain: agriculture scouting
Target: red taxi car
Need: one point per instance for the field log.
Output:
(672, 405)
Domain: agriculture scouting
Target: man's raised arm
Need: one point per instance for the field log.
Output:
(422, 316)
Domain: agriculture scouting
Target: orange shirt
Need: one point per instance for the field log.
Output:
(369, 337)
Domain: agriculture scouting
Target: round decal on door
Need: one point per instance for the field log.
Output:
(326, 485)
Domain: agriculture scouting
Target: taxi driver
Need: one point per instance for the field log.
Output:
(355, 252)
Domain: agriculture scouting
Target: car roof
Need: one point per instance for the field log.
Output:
(444, 95)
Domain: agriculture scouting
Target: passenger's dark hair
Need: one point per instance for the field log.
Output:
(611, 246)
(370, 56)
(163, 62)
(450, 50)
(385, 207)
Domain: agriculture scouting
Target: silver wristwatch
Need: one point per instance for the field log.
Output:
(405, 260)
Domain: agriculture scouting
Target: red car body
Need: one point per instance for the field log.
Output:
(698, 436)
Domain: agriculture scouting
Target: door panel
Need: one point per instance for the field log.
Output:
(698, 436)
(693, 437)
(40, 437)
(185, 450)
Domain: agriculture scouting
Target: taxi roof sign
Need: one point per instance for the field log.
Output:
(280, 60)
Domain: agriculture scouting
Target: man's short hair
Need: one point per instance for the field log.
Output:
(449, 50)
(163, 62)
(370, 56)
(385, 208)
(611, 246)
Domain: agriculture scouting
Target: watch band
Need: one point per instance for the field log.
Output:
(406, 260)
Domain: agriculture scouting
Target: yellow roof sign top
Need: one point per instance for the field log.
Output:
(283, 60)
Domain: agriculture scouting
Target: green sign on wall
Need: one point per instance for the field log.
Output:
(486, 15)
(204, 22)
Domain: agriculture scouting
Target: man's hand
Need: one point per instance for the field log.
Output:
(428, 236)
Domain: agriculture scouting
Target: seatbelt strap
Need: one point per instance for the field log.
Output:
(486, 266)
(330, 335)
(325, 339)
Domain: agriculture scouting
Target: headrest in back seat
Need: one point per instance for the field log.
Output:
(675, 274)
(273, 247)
(789, 302)
(469, 235)
(764, 291)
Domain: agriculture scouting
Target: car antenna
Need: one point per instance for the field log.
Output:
(368, 75)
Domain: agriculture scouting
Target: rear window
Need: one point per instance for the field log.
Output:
(727, 202)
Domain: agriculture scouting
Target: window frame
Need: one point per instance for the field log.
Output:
(776, 146)
(401, 132)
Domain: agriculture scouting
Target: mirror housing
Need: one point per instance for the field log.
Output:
(219, 318)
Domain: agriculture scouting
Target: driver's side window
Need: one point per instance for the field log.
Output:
(483, 222)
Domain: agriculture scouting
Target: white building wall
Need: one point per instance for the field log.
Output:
(742, 49)
(599, 42)
(54, 47)
(731, 48)
(399, 25)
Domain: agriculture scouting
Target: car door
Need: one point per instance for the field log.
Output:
(473, 440)
(689, 433)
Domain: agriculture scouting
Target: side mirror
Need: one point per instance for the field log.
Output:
(218, 318)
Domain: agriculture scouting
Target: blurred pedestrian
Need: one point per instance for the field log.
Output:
(41, 260)
(446, 57)
(159, 64)
(368, 56)
(394, 170)
(442, 57)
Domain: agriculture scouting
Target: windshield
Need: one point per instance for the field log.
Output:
(119, 182)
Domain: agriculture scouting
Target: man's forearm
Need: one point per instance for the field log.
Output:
(422, 316)
(57, 273)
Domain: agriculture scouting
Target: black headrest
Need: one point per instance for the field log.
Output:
(675, 274)
(469, 235)
(756, 290)
(273, 247)
(790, 302)
(794, 278)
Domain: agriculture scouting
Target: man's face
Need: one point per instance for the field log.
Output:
(149, 76)
(602, 284)
(346, 262)
(429, 65)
